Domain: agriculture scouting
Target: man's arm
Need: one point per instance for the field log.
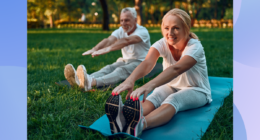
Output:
(125, 42)
(105, 43)
(102, 44)
(121, 43)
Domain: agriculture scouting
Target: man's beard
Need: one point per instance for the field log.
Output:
(130, 29)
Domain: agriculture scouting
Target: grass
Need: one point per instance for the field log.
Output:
(54, 112)
(221, 127)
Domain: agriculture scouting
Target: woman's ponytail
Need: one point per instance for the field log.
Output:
(193, 35)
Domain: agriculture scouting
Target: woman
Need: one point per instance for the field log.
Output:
(182, 85)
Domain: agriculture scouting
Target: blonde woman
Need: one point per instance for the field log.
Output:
(182, 85)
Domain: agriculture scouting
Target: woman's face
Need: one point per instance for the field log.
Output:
(173, 31)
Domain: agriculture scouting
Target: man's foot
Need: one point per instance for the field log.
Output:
(70, 75)
(133, 113)
(84, 79)
(113, 108)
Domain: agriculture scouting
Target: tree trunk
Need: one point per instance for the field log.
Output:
(216, 10)
(105, 24)
(171, 3)
(138, 8)
(153, 21)
(51, 21)
(198, 11)
(223, 9)
(69, 9)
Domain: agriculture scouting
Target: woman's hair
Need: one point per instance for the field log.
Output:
(131, 10)
(185, 18)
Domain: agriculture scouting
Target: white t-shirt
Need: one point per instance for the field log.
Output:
(138, 50)
(196, 77)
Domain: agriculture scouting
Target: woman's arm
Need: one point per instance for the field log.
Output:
(166, 76)
(141, 70)
(146, 66)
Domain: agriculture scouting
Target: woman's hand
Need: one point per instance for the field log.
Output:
(145, 89)
(101, 51)
(126, 85)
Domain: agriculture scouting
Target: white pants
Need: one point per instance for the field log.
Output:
(180, 99)
(116, 72)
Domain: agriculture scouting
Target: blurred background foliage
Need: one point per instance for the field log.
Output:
(54, 13)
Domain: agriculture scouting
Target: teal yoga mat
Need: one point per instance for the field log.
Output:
(185, 125)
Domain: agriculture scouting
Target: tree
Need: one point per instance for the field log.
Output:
(105, 22)
(225, 4)
(138, 8)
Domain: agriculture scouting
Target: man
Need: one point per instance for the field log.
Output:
(134, 42)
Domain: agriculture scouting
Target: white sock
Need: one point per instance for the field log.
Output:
(144, 121)
(90, 79)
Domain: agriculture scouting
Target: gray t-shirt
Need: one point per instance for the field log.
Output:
(135, 51)
(196, 77)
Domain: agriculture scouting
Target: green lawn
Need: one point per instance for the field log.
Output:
(54, 112)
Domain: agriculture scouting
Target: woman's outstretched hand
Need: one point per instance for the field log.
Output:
(134, 95)
(145, 89)
(129, 86)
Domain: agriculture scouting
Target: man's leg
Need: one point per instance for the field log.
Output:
(107, 69)
(118, 75)
(88, 81)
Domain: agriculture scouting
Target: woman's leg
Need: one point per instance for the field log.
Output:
(156, 98)
(179, 101)
(147, 107)
(186, 99)
(159, 116)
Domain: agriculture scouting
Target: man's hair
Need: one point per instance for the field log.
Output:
(131, 10)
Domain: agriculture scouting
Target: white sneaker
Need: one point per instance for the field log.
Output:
(84, 79)
(114, 108)
(133, 113)
(70, 75)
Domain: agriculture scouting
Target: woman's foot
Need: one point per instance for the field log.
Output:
(113, 108)
(70, 75)
(133, 113)
(84, 79)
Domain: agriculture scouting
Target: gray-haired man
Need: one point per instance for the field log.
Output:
(134, 42)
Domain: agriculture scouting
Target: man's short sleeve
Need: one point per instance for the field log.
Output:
(143, 34)
(195, 51)
(116, 33)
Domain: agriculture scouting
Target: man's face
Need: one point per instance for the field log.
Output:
(127, 21)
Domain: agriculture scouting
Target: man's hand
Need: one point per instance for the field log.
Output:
(101, 51)
(88, 52)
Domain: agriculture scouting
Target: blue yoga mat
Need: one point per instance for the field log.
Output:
(184, 125)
